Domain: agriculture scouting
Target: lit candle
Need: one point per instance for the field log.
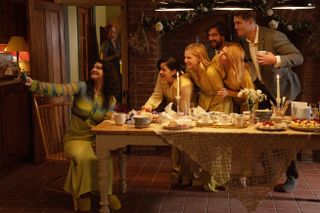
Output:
(120, 62)
(178, 85)
(278, 91)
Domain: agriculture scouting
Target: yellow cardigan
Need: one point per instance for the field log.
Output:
(209, 83)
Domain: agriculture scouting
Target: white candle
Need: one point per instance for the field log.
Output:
(278, 90)
(178, 85)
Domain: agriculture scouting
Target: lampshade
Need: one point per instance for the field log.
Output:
(174, 6)
(293, 4)
(16, 43)
(232, 5)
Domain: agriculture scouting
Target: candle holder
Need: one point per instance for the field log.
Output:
(178, 103)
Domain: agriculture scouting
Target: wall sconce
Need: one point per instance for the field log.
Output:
(293, 5)
(17, 44)
(176, 6)
(233, 5)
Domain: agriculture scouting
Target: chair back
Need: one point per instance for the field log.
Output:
(53, 116)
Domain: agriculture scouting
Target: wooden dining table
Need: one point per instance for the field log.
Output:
(247, 161)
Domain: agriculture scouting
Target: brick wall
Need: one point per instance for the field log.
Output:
(142, 68)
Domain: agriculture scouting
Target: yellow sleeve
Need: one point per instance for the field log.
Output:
(214, 78)
(248, 81)
(156, 97)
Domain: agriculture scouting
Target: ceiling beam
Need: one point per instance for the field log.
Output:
(89, 2)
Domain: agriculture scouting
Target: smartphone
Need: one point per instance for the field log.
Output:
(24, 76)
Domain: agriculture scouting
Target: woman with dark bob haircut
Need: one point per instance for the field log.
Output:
(166, 87)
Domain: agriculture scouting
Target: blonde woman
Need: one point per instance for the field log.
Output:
(166, 87)
(235, 73)
(207, 77)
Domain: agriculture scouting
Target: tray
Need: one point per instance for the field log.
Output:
(177, 127)
(305, 129)
(205, 123)
(270, 129)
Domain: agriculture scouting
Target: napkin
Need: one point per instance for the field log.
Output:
(300, 110)
(198, 111)
(168, 109)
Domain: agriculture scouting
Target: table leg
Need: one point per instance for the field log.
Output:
(103, 179)
(122, 169)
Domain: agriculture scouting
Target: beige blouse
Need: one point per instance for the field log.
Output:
(169, 92)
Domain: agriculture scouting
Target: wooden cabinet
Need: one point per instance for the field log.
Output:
(15, 123)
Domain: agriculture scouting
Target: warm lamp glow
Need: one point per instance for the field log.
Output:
(17, 44)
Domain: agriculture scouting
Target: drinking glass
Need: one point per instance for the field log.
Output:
(314, 111)
(191, 108)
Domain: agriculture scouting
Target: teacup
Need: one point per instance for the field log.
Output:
(239, 121)
(205, 117)
(233, 117)
(119, 118)
(141, 121)
(223, 119)
(261, 52)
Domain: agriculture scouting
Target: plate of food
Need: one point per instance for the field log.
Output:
(153, 116)
(175, 125)
(271, 126)
(306, 125)
(205, 122)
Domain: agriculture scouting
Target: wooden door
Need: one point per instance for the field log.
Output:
(47, 50)
(46, 38)
(83, 18)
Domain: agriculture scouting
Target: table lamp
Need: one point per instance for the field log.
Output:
(17, 44)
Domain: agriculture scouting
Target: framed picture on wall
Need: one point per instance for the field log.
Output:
(8, 68)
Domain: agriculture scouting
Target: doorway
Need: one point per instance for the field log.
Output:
(91, 18)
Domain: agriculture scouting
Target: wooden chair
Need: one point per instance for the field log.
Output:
(53, 120)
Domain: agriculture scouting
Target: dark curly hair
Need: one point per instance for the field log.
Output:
(111, 85)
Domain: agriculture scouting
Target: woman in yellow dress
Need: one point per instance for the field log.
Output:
(235, 74)
(93, 101)
(166, 87)
(206, 76)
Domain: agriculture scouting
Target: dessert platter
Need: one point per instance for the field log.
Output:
(306, 125)
(223, 125)
(271, 126)
(205, 122)
(178, 125)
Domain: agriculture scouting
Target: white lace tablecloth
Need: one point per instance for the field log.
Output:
(246, 161)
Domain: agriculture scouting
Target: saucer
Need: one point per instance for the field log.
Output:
(142, 126)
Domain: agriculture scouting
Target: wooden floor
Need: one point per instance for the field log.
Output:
(149, 192)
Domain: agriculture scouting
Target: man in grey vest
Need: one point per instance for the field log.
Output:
(279, 57)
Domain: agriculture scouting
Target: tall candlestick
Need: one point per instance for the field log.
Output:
(278, 91)
(178, 84)
(178, 92)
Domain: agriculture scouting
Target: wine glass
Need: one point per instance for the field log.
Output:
(314, 111)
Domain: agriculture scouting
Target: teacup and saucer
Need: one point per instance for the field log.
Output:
(141, 121)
